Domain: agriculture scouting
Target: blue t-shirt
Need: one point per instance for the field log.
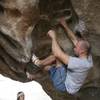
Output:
(77, 71)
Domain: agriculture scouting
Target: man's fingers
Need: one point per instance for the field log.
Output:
(62, 21)
(52, 34)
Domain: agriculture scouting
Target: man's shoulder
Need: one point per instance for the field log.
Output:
(75, 62)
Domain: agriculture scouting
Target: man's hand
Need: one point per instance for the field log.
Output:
(63, 22)
(52, 34)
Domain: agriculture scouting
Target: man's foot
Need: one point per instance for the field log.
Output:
(32, 76)
(35, 60)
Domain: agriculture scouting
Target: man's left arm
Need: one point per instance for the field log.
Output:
(57, 51)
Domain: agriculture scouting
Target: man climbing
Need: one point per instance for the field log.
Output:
(70, 75)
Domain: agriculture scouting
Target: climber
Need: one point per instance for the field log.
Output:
(70, 75)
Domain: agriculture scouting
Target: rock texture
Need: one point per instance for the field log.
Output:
(23, 28)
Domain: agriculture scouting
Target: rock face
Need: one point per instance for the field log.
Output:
(23, 28)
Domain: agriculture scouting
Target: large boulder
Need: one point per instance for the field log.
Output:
(23, 28)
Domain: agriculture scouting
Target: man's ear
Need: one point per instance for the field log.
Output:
(82, 51)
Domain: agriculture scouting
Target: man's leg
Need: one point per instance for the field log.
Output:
(44, 62)
(58, 76)
(40, 63)
(48, 61)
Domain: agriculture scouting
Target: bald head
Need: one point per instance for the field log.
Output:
(84, 46)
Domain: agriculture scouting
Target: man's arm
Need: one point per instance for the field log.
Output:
(57, 51)
(69, 31)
